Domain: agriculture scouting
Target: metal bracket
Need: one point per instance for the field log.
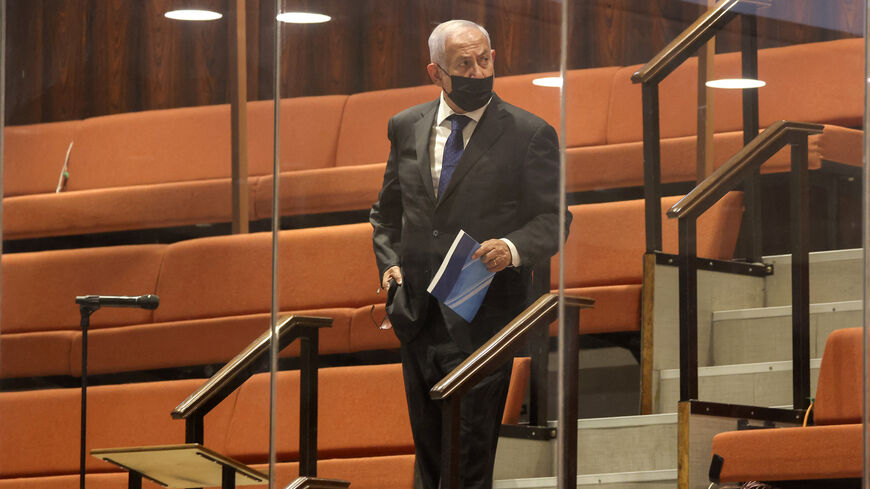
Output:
(527, 432)
(724, 266)
(743, 424)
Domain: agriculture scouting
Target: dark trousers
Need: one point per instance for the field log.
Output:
(425, 361)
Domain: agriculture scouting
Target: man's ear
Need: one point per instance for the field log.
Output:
(434, 74)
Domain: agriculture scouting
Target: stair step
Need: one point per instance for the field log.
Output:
(763, 334)
(835, 275)
(755, 384)
(627, 444)
(649, 479)
(836, 284)
(604, 445)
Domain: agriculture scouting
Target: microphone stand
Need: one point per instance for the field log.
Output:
(86, 310)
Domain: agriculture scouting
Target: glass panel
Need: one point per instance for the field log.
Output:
(866, 246)
(118, 182)
(809, 55)
(341, 83)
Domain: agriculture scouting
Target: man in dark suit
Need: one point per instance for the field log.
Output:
(473, 162)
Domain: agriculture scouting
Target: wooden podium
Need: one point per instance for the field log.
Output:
(181, 466)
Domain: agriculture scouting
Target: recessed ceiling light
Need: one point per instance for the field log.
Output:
(549, 81)
(192, 15)
(302, 18)
(736, 83)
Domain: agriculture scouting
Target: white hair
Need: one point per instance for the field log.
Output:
(438, 38)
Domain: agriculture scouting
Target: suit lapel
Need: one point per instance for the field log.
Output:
(422, 133)
(487, 132)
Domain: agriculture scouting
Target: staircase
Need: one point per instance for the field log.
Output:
(745, 357)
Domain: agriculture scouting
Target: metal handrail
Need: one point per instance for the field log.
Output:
(491, 356)
(732, 172)
(245, 364)
(314, 483)
(664, 63)
(501, 347)
(684, 45)
(707, 193)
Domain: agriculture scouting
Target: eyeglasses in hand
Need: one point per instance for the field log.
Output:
(385, 323)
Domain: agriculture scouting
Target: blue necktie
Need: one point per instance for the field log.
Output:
(452, 150)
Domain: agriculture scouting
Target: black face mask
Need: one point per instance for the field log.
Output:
(469, 93)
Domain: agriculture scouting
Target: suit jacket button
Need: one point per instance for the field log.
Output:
(435, 233)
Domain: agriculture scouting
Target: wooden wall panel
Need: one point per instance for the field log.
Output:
(69, 59)
(24, 62)
(525, 35)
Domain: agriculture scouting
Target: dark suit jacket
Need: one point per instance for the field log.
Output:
(505, 186)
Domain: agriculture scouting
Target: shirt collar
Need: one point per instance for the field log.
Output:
(444, 111)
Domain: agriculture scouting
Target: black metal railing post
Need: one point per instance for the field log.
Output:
(751, 126)
(308, 404)
(800, 272)
(134, 480)
(450, 442)
(228, 477)
(539, 350)
(85, 310)
(568, 408)
(194, 429)
(652, 174)
(688, 286)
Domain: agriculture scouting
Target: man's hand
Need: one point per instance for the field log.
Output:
(495, 254)
(392, 273)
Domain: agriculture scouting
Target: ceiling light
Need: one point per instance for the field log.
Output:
(736, 83)
(192, 15)
(302, 18)
(549, 81)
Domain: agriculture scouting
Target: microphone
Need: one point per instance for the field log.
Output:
(147, 301)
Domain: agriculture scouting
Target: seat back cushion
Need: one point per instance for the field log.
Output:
(309, 133)
(39, 288)
(361, 412)
(231, 275)
(813, 82)
(33, 156)
(155, 146)
(838, 395)
(522, 368)
(40, 428)
(363, 135)
(606, 243)
(587, 98)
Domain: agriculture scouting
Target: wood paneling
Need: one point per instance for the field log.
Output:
(69, 59)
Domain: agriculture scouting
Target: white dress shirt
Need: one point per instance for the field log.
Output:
(438, 138)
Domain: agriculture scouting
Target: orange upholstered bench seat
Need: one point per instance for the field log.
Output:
(829, 450)
(215, 292)
(215, 298)
(40, 319)
(157, 168)
(363, 426)
(388, 472)
(621, 164)
(171, 167)
(40, 428)
(799, 88)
